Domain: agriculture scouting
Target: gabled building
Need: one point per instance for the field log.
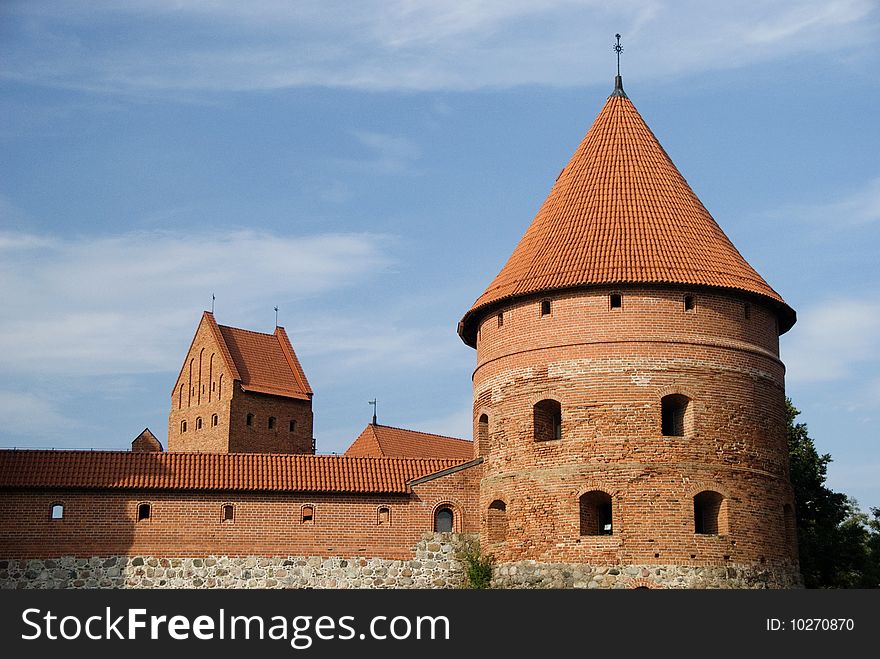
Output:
(386, 441)
(240, 392)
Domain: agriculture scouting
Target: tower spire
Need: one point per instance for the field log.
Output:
(618, 81)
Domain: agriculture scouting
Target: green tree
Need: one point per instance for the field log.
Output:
(834, 537)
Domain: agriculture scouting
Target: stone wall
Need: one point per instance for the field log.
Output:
(530, 574)
(436, 563)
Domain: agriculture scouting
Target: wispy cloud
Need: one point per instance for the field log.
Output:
(834, 340)
(27, 415)
(384, 154)
(402, 44)
(855, 208)
(114, 304)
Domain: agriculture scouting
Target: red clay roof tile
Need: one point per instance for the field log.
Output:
(377, 440)
(121, 470)
(620, 212)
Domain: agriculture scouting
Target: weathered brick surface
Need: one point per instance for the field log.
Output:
(103, 523)
(609, 369)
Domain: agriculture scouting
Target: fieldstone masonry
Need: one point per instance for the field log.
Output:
(436, 563)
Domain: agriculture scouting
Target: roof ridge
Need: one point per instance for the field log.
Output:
(421, 432)
(242, 329)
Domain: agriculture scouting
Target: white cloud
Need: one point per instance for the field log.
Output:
(385, 154)
(406, 44)
(833, 340)
(114, 304)
(27, 415)
(858, 207)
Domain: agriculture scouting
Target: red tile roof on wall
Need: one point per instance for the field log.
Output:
(121, 470)
(266, 363)
(377, 440)
(620, 212)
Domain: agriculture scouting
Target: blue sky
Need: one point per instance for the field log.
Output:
(368, 167)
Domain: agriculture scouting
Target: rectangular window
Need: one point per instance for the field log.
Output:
(501, 319)
(545, 307)
(616, 301)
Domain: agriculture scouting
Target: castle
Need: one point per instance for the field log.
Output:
(628, 426)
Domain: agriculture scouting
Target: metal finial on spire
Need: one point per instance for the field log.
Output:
(618, 81)
(276, 316)
(212, 302)
(618, 49)
(373, 403)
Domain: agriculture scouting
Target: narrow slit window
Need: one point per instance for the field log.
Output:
(616, 301)
(292, 426)
(249, 419)
(271, 423)
(689, 303)
(501, 319)
(144, 512)
(198, 423)
(57, 511)
(214, 420)
(228, 513)
(545, 307)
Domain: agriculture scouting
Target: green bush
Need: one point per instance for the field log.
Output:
(478, 569)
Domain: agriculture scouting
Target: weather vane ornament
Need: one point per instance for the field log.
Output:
(618, 49)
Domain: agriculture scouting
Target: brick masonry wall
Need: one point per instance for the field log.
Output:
(105, 523)
(204, 389)
(434, 562)
(609, 369)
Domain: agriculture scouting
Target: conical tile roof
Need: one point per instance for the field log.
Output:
(619, 213)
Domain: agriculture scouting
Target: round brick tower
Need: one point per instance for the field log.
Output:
(628, 394)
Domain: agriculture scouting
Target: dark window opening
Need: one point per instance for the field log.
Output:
(497, 521)
(545, 307)
(384, 516)
(228, 513)
(57, 511)
(143, 512)
(271, 423)
(596, 513)
(689, 303)
(709, 514)
(183, 426)
(292, 426)
(483, 434)
(198, 423)
(249, 419)
(443, 520)
(501, 319)
(214, 420)
(308, 514)
(547, 420)
(673, 410)
(616, 301)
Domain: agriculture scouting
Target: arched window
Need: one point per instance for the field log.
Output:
(220, 387)
(183, 427)
(292, 426)
(596, 513)
(497, 521)
(443, 520)
(249, 419)
(308, 514)
(710, 513)
(228, 513)
(547, 420)
(214, 420)
(144, 512)
(674, 413)
(180, 398)
(198, 423)
(57, 511)
(483, 434)
(383, 517)
(271, 423)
